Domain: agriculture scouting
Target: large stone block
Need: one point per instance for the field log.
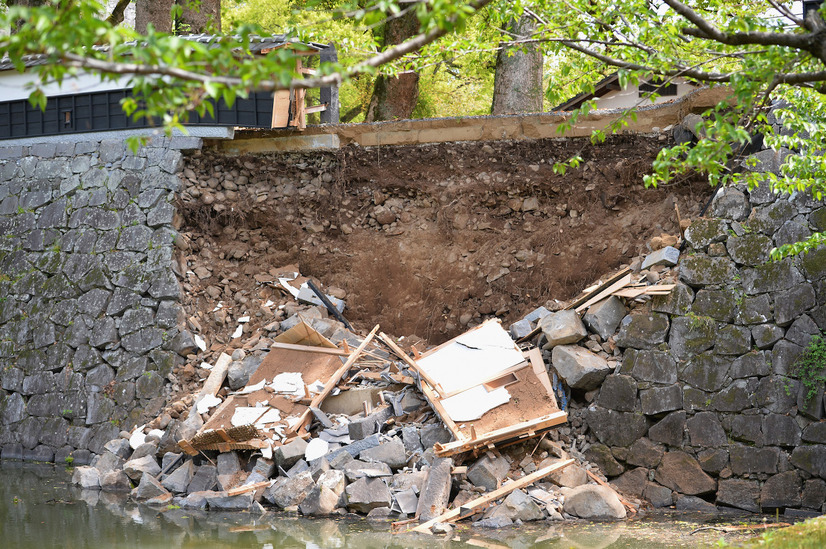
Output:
(701, 270)
(618, 393)
(811, 458)
(604, 317)
(720, 305)
(365, 494)
(562, 328)
(677, 302)
(592, 501)
(754, 310)
(777, 393)
(750, 249)
(670, 429)
(734, 398)
(435, 494)
(749, 365)
(732, 340)
(745, 459)
(601, 456)
(579, 367)
(707, 371)
(704, 430)
(775, 276)
(691, 336)
(739, 493)
(488, 471)
(649, 365)
(790, 304)
(645, 453)
(705, 231)
(616, 428)
(661, 399)
(681, 473)
(643, 330)
(782, 490)
(780, 430)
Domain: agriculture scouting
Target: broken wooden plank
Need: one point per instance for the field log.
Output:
(398, 378)
(454, 514)
(309, 349)
(315, 108)
(336, 377)
(607, 292)
(538, 365)
(512, 431)
(237, 491)
(281, 109)
(187, 447)
(433, 399)
(619, 275)
(407, 360)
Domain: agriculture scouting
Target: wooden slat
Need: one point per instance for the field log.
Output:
(187, 447)
(407, 360)
(433, 399)
(398, 378)
(538, 365)
(309, 348)
(281, 108)
(512, 431)
(237, 491)
(224, 436)
(491, 379)
(624, 281)
(454, 514)
(586, 297)
(315, 108)
(336, 377)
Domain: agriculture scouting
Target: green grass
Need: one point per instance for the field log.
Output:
(810, 534)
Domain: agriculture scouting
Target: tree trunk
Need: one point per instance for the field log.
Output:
(395, 97)
(205, 18)
(517, 84)
(155, 12)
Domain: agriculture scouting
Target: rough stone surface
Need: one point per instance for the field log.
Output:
(435, 494)
(616, 428)
(365, 494)
(603, 318)
(580, 368)
(562, 328)
(643, 331)
(592, 501)
(681, 473)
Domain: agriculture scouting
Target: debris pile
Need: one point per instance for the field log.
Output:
(321, 421)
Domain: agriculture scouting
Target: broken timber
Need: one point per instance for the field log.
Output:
(328, 387)
(470, 507)
(526, 429)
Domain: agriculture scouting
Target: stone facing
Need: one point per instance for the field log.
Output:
(86, 288)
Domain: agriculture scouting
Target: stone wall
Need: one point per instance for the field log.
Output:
(89, 302)
(706, 407)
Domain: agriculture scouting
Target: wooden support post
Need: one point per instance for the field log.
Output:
(455, 514)
(384, 338)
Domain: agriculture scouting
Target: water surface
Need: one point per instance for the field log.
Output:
(40, 509)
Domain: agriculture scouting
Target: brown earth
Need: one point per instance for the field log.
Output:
(423, 240)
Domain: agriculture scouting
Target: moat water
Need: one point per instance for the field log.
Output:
(40, 509)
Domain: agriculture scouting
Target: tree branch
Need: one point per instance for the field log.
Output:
(116, 17)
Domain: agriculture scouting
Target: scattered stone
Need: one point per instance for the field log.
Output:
(592, 501)
(367, 494)
(562, 328)
(435, 494)
(580, 368)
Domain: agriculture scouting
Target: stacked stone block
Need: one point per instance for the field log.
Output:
(706, 399)
(88, 299)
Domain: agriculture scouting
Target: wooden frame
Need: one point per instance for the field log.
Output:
(526, 429)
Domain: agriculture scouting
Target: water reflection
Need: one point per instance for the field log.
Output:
(39, 508)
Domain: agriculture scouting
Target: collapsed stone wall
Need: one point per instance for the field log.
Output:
(89, 303)
(706, 406)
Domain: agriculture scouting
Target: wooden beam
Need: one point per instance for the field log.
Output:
(538, 365)
(614, 278)
(309, 348)
(315, 108)
(281, 108)
(512, 431)
(433, 399)
(454, 514)
(607, 292)
(336, 377)
(409, 361)
(237, 491)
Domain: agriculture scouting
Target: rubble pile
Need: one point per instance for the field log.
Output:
(377, 439)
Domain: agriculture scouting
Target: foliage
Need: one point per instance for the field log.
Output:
(810, 367)
(770, 59)
(810, 534)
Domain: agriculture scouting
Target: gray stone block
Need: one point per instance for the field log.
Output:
(734, 398)
(365, 494)
(435, 494)
(780, 430)
(704, 430)
(578, 367)
(661, 399)
(391, 453)
(782, 490)
(739, 493)
(616, 428)
(488, 471)
(668, 256)
(790, 304)
(603, 318)
(562, 328)
(619, 393)
(747, 460)
(670, 429)
(643, 330)
(681, 473)
(707, 371)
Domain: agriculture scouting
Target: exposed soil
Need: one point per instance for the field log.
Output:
(423, 240)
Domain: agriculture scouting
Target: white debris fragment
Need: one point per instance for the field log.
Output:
(290, 383)
(292, 421)
(245, 416)
(219, 306)
(206, 366)
(269, 303)
(266, 453)
(243, 319)
(137, 438)
(207, 402)
(315, 449)
(271, 416)
(316, 386)
(200, 343)
(156, 433)
(238, 331)
(251, 388)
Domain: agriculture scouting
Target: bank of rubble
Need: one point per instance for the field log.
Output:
(322, 420)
